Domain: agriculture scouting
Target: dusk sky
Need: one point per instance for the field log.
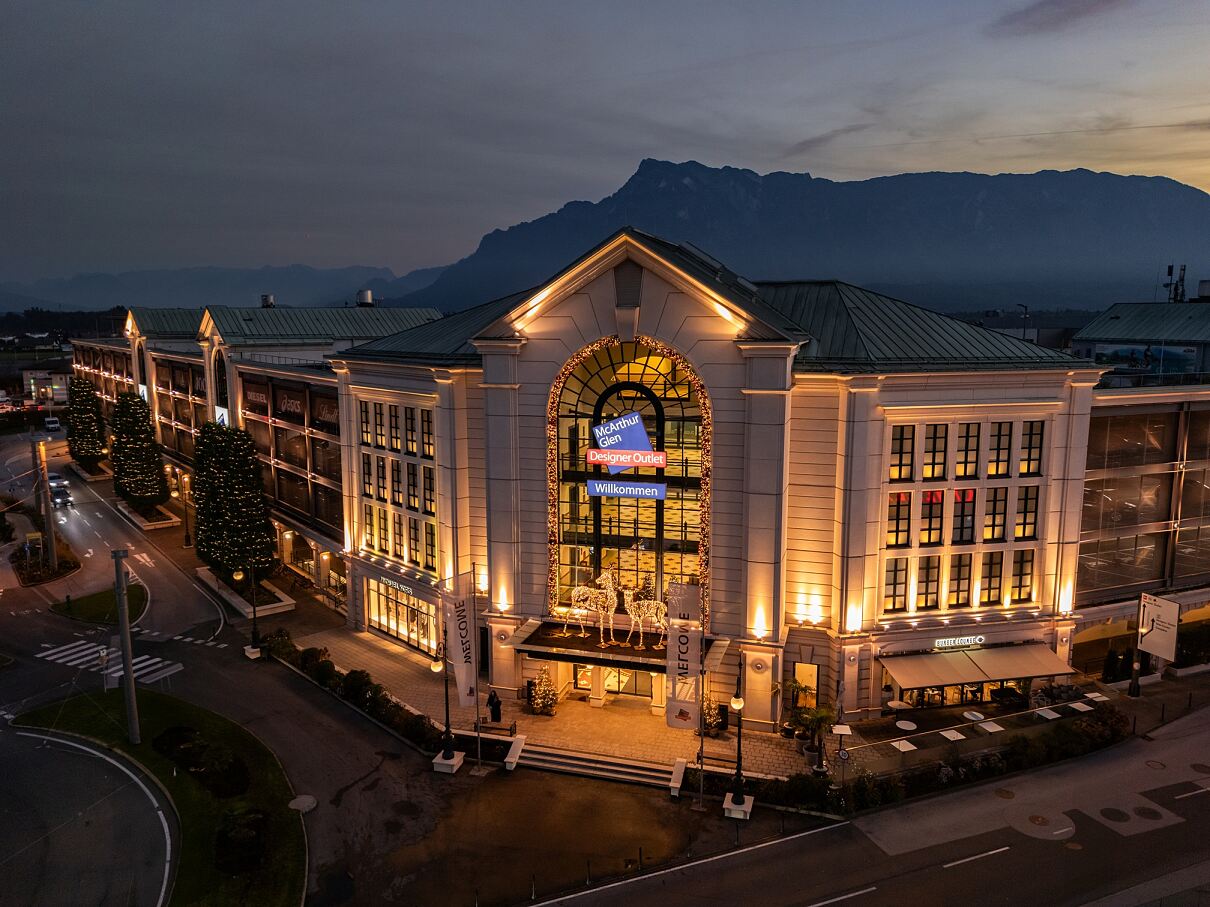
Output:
(143, 135)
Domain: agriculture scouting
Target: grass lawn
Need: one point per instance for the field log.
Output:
(240, 842)
(101, 608)
(5, 661)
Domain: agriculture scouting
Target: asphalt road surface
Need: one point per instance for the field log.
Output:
(75, 828)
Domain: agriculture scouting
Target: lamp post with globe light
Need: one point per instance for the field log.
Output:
(737, 706)
(238, 576)
(437, 666)
(182, 492)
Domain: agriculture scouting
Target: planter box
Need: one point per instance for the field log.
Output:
(169, 520)
(1145, 680)
(104, 476)
(236, 601)
(1172, 671)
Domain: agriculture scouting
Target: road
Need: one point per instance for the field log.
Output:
(97, 808)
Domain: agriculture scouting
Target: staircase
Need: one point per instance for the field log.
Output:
(592, 765)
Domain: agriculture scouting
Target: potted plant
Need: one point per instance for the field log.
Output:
(811, 725)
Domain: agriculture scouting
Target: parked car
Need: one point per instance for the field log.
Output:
(57, 480)
(51, 423)
(61, 497)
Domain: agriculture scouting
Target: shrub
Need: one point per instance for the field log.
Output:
(280, 646)
(309, 657)
(327, 675)
(356, 688)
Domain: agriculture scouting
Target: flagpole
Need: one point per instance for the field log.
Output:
(478, 716)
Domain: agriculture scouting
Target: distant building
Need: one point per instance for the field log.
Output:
(47, 384)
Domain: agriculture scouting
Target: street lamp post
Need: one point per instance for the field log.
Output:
(447, 739)
(182, 491)
(237, 576)
(737, 705)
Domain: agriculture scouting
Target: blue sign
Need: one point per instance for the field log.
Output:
(626, 432)
(607, 488)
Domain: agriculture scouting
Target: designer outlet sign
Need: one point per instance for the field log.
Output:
(623, 444)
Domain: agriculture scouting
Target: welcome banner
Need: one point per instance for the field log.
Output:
(684, 657)
(460, 648)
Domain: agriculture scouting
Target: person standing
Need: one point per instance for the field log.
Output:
(493, 706)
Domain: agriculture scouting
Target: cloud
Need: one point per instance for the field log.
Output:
(815, 142)
(1045, 16)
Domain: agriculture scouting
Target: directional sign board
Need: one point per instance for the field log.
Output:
(1157, 626)
(626, 432)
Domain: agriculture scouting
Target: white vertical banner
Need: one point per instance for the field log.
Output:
(684, 656)
(460, 647)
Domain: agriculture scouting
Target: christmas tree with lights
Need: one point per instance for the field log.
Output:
(233, 528)
(546, 697)
(85, 425)
(138, 470)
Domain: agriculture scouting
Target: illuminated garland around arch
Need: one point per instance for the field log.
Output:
(552, 481)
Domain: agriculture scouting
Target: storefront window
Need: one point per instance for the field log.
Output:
(325, 413)
(291, 446)
(1121, 560)
(260, 436)
(328, 505)
(1131, 439)
(289, 404)
(647, 542)
(292, 490)
(1193, 551)
(1134, 500)
(256, 397)
(398, 613)
(806, 676)
(325, 458)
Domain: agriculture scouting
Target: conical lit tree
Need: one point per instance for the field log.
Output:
(85, 425)
(546, 697)
(248, 534)
(138, 470)
(209, 456)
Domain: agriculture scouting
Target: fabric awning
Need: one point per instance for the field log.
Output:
(1013, 662)
(938, 669)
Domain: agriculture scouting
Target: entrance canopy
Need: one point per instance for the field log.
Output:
(941, 669)
(545, 639)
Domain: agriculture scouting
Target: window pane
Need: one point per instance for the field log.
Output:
(995, 515)
(899, 519)
(1027, 513)
(903, 441)
(960, 581)
(932, 505)
(1128, 439)
(1117, 561)
(999, 449)
(991, 577)
(967, 464)
(936, 439)
(928, 583)
(1193, 551)
(1120, 501)
(895, 585)
(1031, 448)
(964, 516)
(1023, 575)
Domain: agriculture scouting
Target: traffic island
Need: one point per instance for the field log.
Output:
(101, 608)
(241, 841)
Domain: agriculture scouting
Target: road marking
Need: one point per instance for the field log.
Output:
(1192, 793)
(88, 553)
(562, 899)
(137, 780)
(844, 897)
(978, 856)
(97, 534)
(97, 514)
(87, 656)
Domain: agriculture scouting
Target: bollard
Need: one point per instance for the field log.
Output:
(587, 871)
(476, 897)
(533, 887)
(640, 858)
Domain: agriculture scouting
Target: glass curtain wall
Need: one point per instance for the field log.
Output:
(648, 543)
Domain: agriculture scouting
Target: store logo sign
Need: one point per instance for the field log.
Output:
(955, 642)
(625, 433)
(406, 590)
(626, 459)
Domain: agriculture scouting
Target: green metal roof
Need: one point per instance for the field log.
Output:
(1150, 322)
(858, 331)
(163, 324)
(844, 329)
(270, 326)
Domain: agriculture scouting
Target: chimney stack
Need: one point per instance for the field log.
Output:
(365, 299)
(267, 301)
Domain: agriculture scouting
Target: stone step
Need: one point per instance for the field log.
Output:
(595, 766)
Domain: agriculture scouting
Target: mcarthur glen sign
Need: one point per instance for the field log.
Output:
(622, 444)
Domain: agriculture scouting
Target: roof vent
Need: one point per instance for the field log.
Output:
(1203, 291)
(267, 301)
(365, 299)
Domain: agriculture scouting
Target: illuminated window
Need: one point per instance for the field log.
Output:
(928, 583)
(393, 415)
(992, 576)
(397, 547)
(430, 546)
(646, 542)
(936, 439)
(414, 541)
(430, 491)
(367, 475)
(383, 537)
(382, 478)
(367, 526)
(409, 424)
(1031, 448)
(903, 442)
(932, 506)
(367, 436)
(396, 484)
(380, 431)
(426, 433)
(964, 516)
(1023, 575)
(899, 519)
(1000, 449)
(894, 588)
(1027, 513)
(413, 487)
(960, 581)
(966, 466)
(995, 515)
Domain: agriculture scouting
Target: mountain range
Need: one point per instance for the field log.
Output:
(949, 241)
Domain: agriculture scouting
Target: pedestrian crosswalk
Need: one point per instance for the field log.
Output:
(201, 642)
(91, 656)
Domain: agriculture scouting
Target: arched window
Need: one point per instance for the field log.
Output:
(646, 541)
(220, 380)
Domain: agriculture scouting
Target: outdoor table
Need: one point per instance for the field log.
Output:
(906, 725)
(1048, 714)
(903, 746)
(973, 716)
(991, 727)
(1080, 706)
(841, 730)
(951, 734)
